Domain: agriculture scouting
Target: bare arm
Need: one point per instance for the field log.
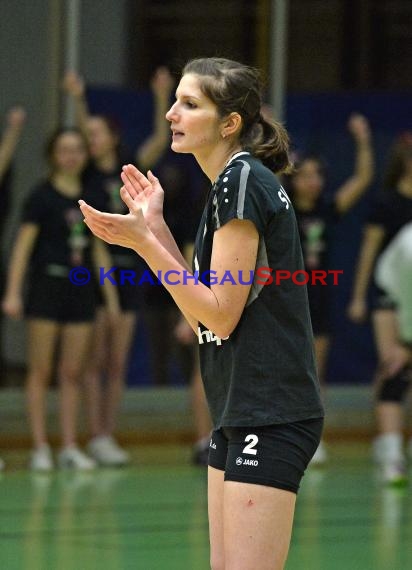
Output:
(352, 190)
(74, 86)
(371, 244)
(155, 145)
(12, 302)
(235, 245)
(11, 136)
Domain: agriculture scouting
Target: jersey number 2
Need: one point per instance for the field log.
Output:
(249, 447)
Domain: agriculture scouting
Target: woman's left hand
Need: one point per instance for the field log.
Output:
(129, 230)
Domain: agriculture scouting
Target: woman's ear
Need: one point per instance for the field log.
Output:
(231, 125)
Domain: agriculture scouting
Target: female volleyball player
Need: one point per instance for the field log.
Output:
(255, 340)
(111, 346)
(392, 211)
(315, 215)
(52, 243)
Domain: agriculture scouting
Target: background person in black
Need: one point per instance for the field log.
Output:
(15, 120)
(111, 346)
(51, 241)
(315, 215)
(256, 343)
(182, 211)
(391, 212)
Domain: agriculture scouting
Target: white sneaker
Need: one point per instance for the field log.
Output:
(388, 448)
(107, 452)
(394, 473)
(320, 456)
(41, 459)
(73, 458)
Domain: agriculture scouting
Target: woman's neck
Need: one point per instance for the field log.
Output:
(215, 161)
(304, 203)
(405, 186)
(107, 162)
(67, 184)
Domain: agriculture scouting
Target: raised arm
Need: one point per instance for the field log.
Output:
(12, 304)
(74, 86)
(15, 121)
(351, 191)
(372, 241)
(155, 145)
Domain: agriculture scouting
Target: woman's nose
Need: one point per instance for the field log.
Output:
(171, 114)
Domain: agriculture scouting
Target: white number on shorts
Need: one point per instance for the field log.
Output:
(253, 441)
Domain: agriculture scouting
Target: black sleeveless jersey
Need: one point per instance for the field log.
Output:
(264, 372)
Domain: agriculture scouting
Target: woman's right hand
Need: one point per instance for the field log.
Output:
(12, 306)
(16, 117)
(73, 84)
(357, 311)
(146, 192)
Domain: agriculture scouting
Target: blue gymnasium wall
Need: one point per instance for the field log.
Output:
(316, 123)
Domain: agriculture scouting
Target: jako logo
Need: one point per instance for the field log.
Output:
(253, 462)
(239, 461)
(212, 444)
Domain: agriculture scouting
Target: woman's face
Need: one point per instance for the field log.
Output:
(101, 139)
(194, 120)
(69, 155)
(308, 181)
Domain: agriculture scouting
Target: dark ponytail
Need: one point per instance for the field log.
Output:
(234, 87)
(269, 141)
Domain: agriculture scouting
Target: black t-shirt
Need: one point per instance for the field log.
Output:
(104, 195)
(314, 231)
(64, 239)
(392, 210)
(264, 373)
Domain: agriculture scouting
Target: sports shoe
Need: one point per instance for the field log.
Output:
(394, 474)
(320, 456)
(106, 451)
(73, 458)
(41, 459)
(388, 448)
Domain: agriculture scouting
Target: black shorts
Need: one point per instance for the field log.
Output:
(381, 301)
(129, 290)
(57, 299)
(274, 455)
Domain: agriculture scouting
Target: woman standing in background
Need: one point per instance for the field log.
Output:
(52, 242)
(107, 365)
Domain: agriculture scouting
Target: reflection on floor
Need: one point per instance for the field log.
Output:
(152, 516)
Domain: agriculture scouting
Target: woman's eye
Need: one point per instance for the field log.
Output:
(190, 105)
